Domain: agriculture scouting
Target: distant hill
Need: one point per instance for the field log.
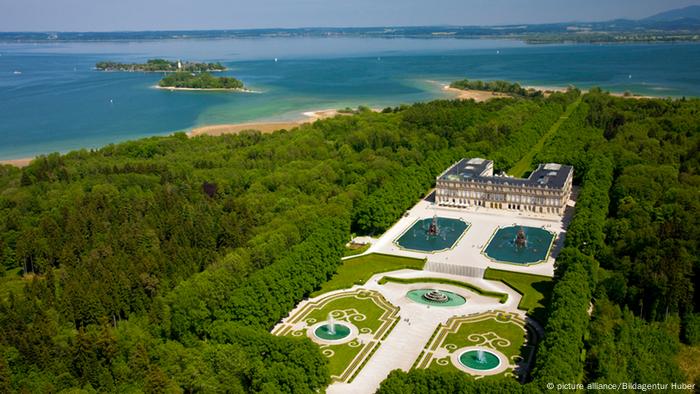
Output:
(682, 24)
(690, 12)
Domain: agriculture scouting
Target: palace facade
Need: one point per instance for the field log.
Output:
(471, 182)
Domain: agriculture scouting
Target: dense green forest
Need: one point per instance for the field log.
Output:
(199, 81)
(160, 65)
(496, 86)
(160, 265)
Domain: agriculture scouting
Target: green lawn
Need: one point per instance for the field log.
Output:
(502, 297)
(524, 164)
(366, 307)
(343, 354)
(508, 337)
(368, 311)
(536, 290)
(359, 269)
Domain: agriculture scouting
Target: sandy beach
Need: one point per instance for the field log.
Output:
(476, 95)
(263, 127)
(232, 128)
(482, 95)
(18, 162)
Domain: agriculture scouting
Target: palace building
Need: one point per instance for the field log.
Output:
(471, 182)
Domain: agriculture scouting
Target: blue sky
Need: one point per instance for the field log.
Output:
(101, 15)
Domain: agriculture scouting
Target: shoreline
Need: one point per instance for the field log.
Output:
(484, 95)
(308, 117)
(265, 127)
(19, 163)
(240, 90)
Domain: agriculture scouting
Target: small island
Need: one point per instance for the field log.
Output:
(160, 65)
(202, 81)
(496, 87)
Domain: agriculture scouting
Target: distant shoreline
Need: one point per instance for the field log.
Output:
(484, 95)
(312, 116)
(230, 128)
(148, 71)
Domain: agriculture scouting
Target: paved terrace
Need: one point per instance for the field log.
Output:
(467, 253)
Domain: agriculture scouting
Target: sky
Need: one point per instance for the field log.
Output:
(102, 15)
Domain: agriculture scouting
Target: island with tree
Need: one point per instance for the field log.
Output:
(160, 65)
(510, 88)
(199, 81)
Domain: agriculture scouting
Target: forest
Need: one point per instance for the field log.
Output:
(160, 265)
(199, 81)
(160, 65)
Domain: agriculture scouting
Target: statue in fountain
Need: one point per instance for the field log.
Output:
(521, 239)
(436, 296)
(433, 228)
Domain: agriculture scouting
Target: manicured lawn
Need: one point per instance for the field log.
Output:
(342, 356)
(507, 336)
(536, 290)
(511, 331)
(358, 270)
(371, 311)
(368, 311)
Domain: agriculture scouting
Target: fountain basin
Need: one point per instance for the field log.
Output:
(434, 297)
(480, 360)
(324, 332)
(484, 362)
(344, 332)
(530, 247)
(422, 237)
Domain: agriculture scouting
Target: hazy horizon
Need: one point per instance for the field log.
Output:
(134, 15)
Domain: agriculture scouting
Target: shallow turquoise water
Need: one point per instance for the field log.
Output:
(59, 102)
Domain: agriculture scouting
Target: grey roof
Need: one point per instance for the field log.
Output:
(467, 168)
(551, 175)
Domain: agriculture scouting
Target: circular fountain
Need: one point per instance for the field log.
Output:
(434, 297)
(332, 331)
(479, 360)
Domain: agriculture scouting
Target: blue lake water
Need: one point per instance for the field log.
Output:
(58, 102)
